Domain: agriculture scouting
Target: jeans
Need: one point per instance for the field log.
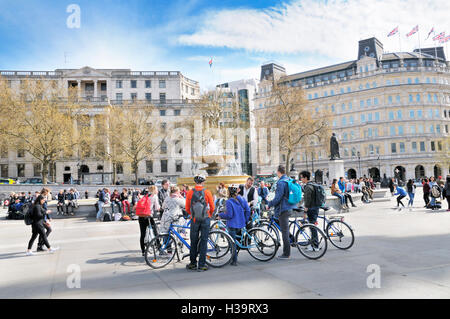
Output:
(312, 213)
(119, 206)
(340, 196)
(284, 225)
(199, 233)
(100, 209)
(233, 233)
(126, 206)
(411, 198)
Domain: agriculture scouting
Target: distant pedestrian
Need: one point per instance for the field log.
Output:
(411, 189)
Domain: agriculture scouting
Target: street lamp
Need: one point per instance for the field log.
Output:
(359, 163)
(379, 168)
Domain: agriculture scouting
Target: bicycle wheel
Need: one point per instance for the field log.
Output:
(220, 249)
(260, 244)
(160, 251)
(217, 225)
(271, 229)
(311, 241)
(340, 234)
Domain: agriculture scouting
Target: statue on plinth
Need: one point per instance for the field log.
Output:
(334, 147)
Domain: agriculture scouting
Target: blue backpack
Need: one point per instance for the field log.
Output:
(295, 192)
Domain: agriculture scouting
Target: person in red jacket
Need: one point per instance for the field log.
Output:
(199, 228)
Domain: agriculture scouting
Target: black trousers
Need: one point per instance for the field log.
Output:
(348, 197)
(426, 198)
(38, 229)
(284, 225)
(144, 222)
(41, 240)
(448, 201)
(399, 200)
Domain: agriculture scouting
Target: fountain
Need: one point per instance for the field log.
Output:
(221, 168)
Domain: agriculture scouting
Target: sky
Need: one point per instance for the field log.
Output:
(183, 35)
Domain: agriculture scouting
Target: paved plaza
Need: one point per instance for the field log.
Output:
(412, 250)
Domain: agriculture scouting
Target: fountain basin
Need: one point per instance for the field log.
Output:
(212, 181)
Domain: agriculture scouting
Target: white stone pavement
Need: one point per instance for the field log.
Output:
(412, 250)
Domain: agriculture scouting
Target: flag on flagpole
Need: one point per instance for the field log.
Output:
(444, 39)
(393, 32)
(414, 30)
(439, 36)
(431, 31)
(210, 63)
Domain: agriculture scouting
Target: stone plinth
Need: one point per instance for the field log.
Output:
(336, 169)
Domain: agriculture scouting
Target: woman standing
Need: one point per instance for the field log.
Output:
(37, 226)
(426, 192)
(411, 189)
(144, 222)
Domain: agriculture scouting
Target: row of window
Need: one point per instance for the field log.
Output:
(4, 170)
(373, 85)
(416, 147)
(134, 96)
(133, 84)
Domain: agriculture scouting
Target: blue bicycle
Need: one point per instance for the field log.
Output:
(161, 250)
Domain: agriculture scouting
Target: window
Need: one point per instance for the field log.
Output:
(350, 105)
(179, 166)
(417, 97)
(431, 128)
(435, 97)
(21, 152)
(400, 130)
(388, 82)
(342, 90)
(133, 84)
(430, 113)
(177, 112)
(361, 104)
(433, 146)
(411, 99)
(149, 167)
(162, 112)
(391, 115)
(148, 96)
(20, 170)
(399, 114)
(377, 116)
(162, 97)
(163, 126)
(344, 121)
(363, 118)
(429, 97)
(163, 166)
(309, 96)
(148, 84)
(369, 102)
(118, 84)
(4, 170)
(332, 92)
(343, 107)
(389, 99)
(416, 80)
(316, 95)
(119, 96)
(414, 147)
(392, 130)
(162, 84)
(411, 114)
(439, 146)
(369, 117)
(349, 89)
(393, 148)
(420, 130)
(397, 98)
(374, 84)
(412, 129)
(375, 101)
(134, 96)
(37, 169)
(332, 108)
(102, 86)
(409, 81)
(325, 93)
(163, 147)
(350, 120)
(436, 113)
(119, 168)
(438, 128)
(419, 114)
(402, 147)
(422, 146)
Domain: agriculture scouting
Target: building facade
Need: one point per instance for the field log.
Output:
(171, 92)
(391, 112)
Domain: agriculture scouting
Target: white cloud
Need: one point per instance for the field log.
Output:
(328, 28)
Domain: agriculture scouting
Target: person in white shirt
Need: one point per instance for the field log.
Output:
(249, 192)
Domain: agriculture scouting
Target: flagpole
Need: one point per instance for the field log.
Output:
(399, 41)
(418, 36)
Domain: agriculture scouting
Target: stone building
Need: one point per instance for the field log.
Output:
(391, 111)
(171, 92)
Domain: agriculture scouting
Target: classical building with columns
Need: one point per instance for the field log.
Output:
(391, 112)
(171, 92)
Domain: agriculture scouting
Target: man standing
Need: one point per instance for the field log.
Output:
(200, 205)
(101, 203)
(263, 192)
(311, 206)
(283, 209)
(248, 192)
(163, 194)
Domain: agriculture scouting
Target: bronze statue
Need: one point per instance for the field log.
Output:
(334, 148)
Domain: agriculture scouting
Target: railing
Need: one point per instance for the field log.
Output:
(30, 73)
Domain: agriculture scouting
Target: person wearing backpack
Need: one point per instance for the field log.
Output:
(314, 198)
(101, 202)
(426, 192)
(200, 205)
(37, 225)
(435, 193)
(283, 209)
(145, 221)
(237, 215)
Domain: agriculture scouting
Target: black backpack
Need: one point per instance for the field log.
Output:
(28, 214)
(199, 208)
(107, 217)
(320, 197)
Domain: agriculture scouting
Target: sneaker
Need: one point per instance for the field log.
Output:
(191, 267)
(53, 249)
(234, 263)
(353, 205)
(283, 257)
(202, 268)
(29, 253)
(310, 248)
(39, 249)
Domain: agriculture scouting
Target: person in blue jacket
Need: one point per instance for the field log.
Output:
(402, 194)
(283, 209)
(237, 214)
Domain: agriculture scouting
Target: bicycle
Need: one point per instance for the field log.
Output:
(309, 239)
(161, 250)
(337, 231)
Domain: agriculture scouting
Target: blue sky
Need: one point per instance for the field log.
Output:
(184, 35)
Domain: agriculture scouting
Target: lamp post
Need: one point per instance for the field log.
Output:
(312, 164)
(359, 163)
(379, 168)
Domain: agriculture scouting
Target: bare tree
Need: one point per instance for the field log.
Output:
(37, 118)
(296, 119)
